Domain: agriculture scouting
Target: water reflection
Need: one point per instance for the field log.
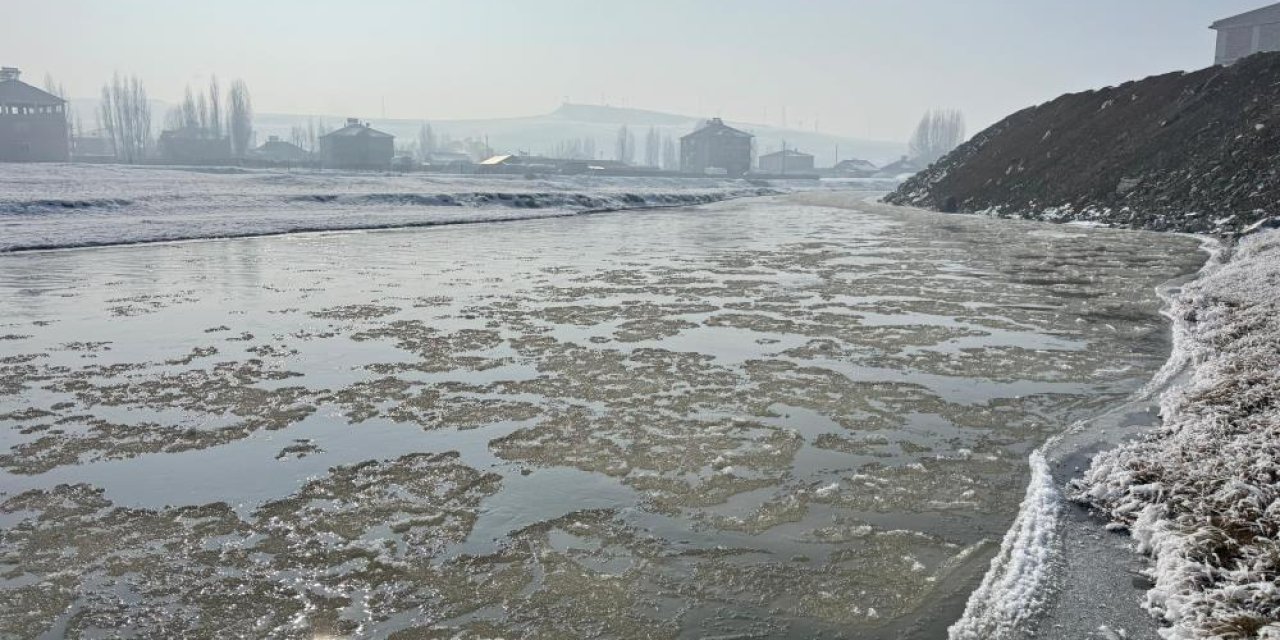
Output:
(787, 417)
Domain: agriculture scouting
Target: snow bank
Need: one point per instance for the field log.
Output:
(1013, 590)
(61, 206)
(1201, 495)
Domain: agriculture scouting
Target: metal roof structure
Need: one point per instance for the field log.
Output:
(1269, 14)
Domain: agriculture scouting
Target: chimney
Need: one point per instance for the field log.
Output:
(9, 73)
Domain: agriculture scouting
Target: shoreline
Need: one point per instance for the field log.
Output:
(1026, 588)
(1134, 560)
(1198, 494)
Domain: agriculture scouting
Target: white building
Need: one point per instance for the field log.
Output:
(1248, 33)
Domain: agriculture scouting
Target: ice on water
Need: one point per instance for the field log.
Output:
(798, 416)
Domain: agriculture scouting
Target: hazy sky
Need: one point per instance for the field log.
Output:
(858, 67)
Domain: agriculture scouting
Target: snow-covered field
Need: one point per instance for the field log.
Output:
(1201, 495)
(59, 206)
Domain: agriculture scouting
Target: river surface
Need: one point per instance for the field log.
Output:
(801, 416)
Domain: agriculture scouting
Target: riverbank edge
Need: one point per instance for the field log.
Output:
(1200, 494)
(652, 202)
(1219, 398)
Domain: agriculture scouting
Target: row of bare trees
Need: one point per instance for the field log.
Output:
(308, 137)
(240, 118)
(201, 115)
(429, 142)
(939, 132)
(583, 148)
(659, 149)
(198, 113)
(124, 115)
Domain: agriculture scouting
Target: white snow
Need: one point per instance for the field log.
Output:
(1201, 495)
(57, 206)
(1012, 591)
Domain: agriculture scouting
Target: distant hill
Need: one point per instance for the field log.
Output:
(1182, 151)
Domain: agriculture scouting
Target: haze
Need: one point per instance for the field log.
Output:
(865, 69)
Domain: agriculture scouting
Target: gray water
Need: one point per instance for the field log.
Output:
(802, 416)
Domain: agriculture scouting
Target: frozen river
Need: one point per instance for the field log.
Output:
(789, 417)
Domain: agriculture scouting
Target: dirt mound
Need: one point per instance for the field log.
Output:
(1195, 152)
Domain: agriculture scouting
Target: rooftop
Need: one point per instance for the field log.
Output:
(355, 128)
(716, 127)
(1269, 14)
(790, 153)
(15, 91)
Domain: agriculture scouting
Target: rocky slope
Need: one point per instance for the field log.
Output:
(1197, 152)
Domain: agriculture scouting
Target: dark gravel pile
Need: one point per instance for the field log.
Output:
(1197, 152)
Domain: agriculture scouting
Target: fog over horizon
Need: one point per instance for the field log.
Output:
(862, 69)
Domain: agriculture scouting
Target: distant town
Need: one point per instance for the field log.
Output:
(209, 128)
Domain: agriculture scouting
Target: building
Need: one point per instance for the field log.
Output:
(277, 151)
(1248, 33)
(904, 166)
(450, 161)
(518, 164)
(716, 148)
(93, 146)
(357, 146)
(33, 123)
(192, 145)
(854, 168)
(786, 161)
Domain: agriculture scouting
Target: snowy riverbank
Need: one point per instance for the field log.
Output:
(69, 205)
(1201, 494)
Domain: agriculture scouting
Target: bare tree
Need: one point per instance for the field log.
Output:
(126, 117)
(625, 147)
(174, 118)
(215, 108)
(298, 136)
(190, 111)
(652, 147)
(58, 90)
(426, 141)
(239, 118)
(202, 104)
(939, 132)
(670, 158)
